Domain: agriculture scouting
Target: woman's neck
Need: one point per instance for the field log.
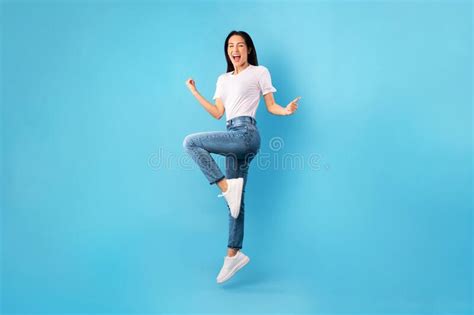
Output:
(240, 69)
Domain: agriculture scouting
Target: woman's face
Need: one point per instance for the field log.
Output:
(237, 50)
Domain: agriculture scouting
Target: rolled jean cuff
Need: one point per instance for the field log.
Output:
(213, 182)
(234, 247)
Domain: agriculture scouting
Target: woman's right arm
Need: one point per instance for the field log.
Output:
(216, 110)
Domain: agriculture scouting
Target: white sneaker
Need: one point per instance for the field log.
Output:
(233, 195)
(231, 266)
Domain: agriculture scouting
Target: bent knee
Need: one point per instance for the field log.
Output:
(188, 141)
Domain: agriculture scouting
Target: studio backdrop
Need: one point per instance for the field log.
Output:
(360, 202)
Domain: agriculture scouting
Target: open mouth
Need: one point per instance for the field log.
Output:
(236, 58)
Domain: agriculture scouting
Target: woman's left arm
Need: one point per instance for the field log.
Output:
(276, 109)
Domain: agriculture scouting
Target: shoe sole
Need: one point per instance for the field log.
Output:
(239, 198)
(237, 268)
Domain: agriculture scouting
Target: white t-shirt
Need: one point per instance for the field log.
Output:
(241, 93)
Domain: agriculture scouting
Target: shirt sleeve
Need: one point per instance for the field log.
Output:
(265, 82)
(218, 92)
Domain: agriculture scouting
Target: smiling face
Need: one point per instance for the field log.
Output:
(237, 51)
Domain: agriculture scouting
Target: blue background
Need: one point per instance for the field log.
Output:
(102, 212)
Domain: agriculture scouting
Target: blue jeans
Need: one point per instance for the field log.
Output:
(239, 144)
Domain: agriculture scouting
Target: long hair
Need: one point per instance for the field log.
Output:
(252, 57)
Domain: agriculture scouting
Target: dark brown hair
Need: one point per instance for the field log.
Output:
(252, 57)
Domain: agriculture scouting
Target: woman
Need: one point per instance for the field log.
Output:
(237, 94)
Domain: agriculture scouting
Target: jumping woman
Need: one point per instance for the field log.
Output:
(237, 93)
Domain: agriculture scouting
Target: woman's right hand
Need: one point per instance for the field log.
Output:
(191, 85)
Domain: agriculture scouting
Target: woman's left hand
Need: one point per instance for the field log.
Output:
(292, 106)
